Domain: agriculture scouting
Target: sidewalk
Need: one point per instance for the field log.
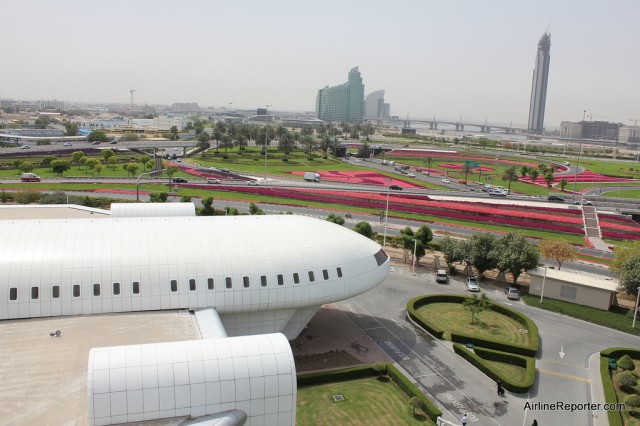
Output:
(600, 417)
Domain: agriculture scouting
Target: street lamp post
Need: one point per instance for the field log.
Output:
(575, 176)
(415, 246)
(543, 280)
(386, 217)
(138, 181)
(635, 312)
(266, 137)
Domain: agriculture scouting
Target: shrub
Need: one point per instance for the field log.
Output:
(344, 374)
(411, 390)
(626, 380)
(626, 363)
(615, 417)
(632, 401)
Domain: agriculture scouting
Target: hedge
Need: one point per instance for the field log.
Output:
(403, 383)
(618, 352)
(615, 417)
(478, 360)
(530, 350)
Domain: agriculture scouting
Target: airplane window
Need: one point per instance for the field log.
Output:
(325, 274)
(76, 290)
(96, 289)
(34, 292)
(245, 280)
(210, 283)
(228, 282)
(312, 278)
(55, 291)
(13, 293)
(381, 257)
(339, 271)
(192, 284)
(136, 287)
(296, 278)
(263, 280)
(280, 279)
(174, 285)
(116, 288)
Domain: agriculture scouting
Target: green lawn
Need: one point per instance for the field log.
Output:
(635, 193)
(491, 325)
(616, 318)
(627, 419)
(515, 373)
(367, 402)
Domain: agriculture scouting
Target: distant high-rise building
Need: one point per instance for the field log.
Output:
(539, 85)
(50, 104)
(374, 104)
(344, 102)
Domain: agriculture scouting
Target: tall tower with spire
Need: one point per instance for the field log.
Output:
(539, 85)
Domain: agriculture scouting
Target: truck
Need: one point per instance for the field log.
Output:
(29, 177)
(311, 177)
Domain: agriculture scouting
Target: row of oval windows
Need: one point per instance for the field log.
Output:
(135, 287)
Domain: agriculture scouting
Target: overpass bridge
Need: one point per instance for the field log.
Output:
(459, 124)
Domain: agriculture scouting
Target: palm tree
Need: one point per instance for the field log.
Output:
(524, 171)
(548, 178)
(510, 175)
(466, 169)
(427, 161)
(533, 174)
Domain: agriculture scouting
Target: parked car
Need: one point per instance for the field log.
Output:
(446, 181)
(66, 144)
(553, 197)
(213, 180)
(512, 293)
(441, 276)
(25, 147)
(179, 180)
(395, 187)
(472, 284)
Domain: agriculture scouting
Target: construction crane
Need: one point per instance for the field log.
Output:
(132, 90)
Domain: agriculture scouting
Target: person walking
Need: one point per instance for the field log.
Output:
(535, 423)
(464, 420)
(499, 386)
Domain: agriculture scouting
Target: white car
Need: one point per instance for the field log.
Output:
(411, 175)
(253, 182)
(446, 181)
(213, 180)
(441, 276)
(25, 147)
(512, 293)
(66, 144)
(472, 284)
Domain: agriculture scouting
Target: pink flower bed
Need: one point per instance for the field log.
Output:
(366, 178)
(452, 155)
(615, 218)
(613, 225)
(619, 235)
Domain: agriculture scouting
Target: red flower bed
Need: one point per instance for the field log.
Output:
(459, 166)
(619, 226)
(367, 178)
(615, 218)
(450, 154)
(619, 235)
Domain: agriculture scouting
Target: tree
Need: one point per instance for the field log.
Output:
(524, 171)
(626, 380)
(364, 151)
(97, 169)
(510, 175)
(76, 156)
(131, 137)
(450, 251)
(416, 404)
(255, 210)
(60, 166)
(559, 250)
(26, 167)
(98, 135)
(481, 256)
(106, 154)
(334, 218)
(632, 401)
(543, 168)
(71, 129)
(466, 169)
(626, 363)
(286, 143)
(131, 168)
(112, 161)
(427, 162)
(475, 305)
(515, 254)
(626, 264)
(308, 143)
(16, 163)
(533, 174)
(185, 199)
(207, 207)
(408, 243)
(203, 141)
(149, 164)
(364, 228)
(171, 170)
(47, 159)
(563, 184)
(158, 197)
(91, 163)
(226, 142)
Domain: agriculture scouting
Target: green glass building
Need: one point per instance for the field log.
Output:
(344, 102)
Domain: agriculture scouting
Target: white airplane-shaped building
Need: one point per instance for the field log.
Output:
(254, 282)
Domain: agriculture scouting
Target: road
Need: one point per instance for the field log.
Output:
(460, 387)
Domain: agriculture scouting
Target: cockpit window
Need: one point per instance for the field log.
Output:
(381, 257)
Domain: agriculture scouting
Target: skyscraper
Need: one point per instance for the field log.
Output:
(344, 102)
(539, 85)
(374, 105)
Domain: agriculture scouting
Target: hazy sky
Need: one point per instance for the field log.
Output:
(472, 59)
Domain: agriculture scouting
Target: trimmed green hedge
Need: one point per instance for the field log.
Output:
(618, 352)
(529, 350)
(478, 360)
(310, 379)
(615, 418)
(360, 372)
